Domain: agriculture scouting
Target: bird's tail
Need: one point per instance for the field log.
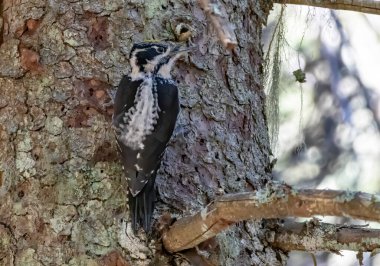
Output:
(142, 205)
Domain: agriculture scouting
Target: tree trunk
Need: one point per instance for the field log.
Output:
(62, 198)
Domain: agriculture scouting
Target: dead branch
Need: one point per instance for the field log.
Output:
(316, 236)
(364, 6)
(277, 201)
(219, 20)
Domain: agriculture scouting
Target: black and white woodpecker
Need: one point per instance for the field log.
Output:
(146, 106)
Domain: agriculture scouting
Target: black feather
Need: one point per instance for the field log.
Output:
(141, 207)
(141, 182)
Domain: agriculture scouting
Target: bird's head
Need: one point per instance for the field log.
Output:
(155, 58)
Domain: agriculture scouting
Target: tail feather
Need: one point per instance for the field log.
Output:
(142, 205)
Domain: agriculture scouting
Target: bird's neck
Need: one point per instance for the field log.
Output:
(137, 74)
(164, 71)
(141, 72)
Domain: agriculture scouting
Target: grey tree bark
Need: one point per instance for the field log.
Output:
(62, 198)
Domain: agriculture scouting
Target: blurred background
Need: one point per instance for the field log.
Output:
(331, 140)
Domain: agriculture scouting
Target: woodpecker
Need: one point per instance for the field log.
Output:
(146, 106)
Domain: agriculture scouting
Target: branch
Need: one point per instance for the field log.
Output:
(218, 18)
(277, 201)
(316, 236)
(364, 6)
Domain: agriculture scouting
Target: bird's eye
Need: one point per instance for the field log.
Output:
(160, 49)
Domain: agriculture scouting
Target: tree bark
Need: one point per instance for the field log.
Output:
(277, 201)
(363, 6)
(62, 198)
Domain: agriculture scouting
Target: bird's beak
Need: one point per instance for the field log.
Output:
(181, 49)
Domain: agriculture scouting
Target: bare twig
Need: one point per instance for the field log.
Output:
(325, 237)
(364, 6)
(219, 20)
(277, 201)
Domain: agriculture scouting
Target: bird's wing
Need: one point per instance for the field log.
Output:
(169, 108)
(124, 98)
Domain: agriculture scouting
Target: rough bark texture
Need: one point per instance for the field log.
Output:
(62, 199)
(316, 236)
(278, 201)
